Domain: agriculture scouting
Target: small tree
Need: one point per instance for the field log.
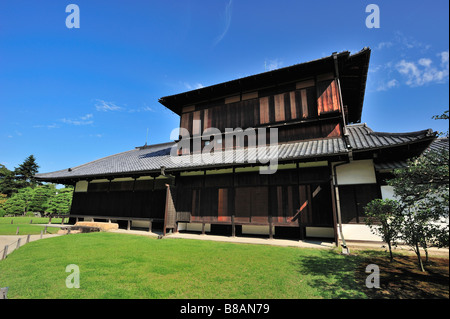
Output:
(8, 184)
(41, 197)
(383, 219)
(61, 201)
(423, 192)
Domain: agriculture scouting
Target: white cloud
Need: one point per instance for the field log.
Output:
(194, 86)
(272, 64)
(383, 45)
(145, 108)
(76, 122)
(402, 42)
(83, 120)
(49, 126)
(104, 106)
(87, 117)
(228, 12)
(388, 85)
(423, 71)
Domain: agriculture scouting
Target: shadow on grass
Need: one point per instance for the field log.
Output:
(333, 275)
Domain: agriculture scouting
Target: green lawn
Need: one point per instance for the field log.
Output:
(25, 228)
(129, 266)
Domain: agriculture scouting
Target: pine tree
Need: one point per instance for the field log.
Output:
(41, 198)
(8, 183)
(26, 171)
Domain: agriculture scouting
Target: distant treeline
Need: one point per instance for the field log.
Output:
(21, 194)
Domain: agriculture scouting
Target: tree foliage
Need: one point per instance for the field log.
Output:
(43, 199)
(8, 183)
(423, 193)
(26, 171)
(421, 209)
(383, 219)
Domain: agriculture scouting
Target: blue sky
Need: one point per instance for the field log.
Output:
(70, 96)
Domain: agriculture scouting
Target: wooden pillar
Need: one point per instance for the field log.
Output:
(5, 252)
(270, 227)
(269, 203)
(333, 204)
(203, 228)
(233, 227)
(128, 224)
(150, 226)
(232, 208)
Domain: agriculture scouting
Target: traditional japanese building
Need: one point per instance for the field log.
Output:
(310, 179)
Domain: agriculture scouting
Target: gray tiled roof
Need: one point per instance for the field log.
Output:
(152, 158)
(437, 145)
(361, 137)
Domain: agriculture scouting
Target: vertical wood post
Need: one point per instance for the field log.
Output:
(5, 252)
(233, 227)
(18, 243)
(150, 226)
(45, 230)
(335, 226)
(270, 227)
(31, 221)
(28, 239)
(203, 228)
(17, 231)
(12, 221)
(128, 224)
(41, 233)
(233, 200)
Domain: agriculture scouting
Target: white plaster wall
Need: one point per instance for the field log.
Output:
(358, 232)
(195, 227)
(140, 223)
(356, 172)
(257, 230)
(81, 186)
(323, 232)
(387, 192)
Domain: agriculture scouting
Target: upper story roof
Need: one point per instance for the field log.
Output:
(352, 69)
(150, 159)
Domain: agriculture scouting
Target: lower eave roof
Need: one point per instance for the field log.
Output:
(150, 159)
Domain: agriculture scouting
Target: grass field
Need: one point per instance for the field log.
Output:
(128, 266)
(25, 228)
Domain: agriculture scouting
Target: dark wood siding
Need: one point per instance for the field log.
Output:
(353, 199)
(255, 197)
(119, 200)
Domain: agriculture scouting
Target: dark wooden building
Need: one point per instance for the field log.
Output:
(325, 159)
